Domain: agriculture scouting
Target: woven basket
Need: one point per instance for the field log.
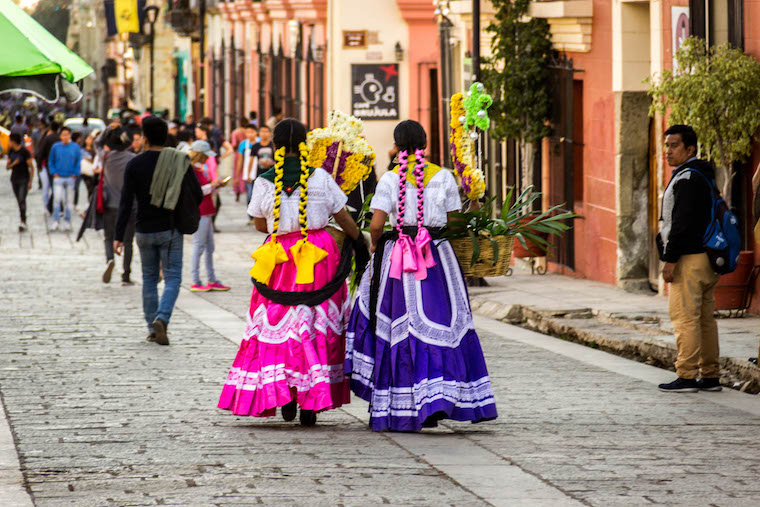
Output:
(485, 265)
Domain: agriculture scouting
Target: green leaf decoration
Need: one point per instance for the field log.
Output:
(476, 108)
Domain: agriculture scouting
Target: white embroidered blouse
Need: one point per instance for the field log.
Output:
(441, 195)
(325, 199)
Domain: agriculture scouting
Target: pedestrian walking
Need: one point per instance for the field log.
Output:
(292, 353)
(237, 137)
(22, 174)
(89, 164)
(686, 209)
(262, 160)
(276, 117)
(245, 158)
(64, 165)
(205, 131)
(412, 349)
(184, 138)
(78, 139)
(42, 155)
(19, 126)
(114, 168)
(157, 181)
(203, 238)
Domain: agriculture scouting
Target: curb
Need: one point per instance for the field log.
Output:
(632, 339)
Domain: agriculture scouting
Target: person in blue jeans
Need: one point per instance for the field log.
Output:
(64, 164)
(160, 243)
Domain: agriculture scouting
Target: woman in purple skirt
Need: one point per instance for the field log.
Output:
(411, 347)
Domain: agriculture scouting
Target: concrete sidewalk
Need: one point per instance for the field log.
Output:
(609, 318)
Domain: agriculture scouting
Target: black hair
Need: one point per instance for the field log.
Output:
(251, 126)
(206, 121)
(276, 111)
(64, 128)
(15, 137)
(155, 130)
(54, 126)
(19, 118)
(253, 115)
(76, 136)
(243, 122)
(118, 139)
(409, 136)
(265, 126)
(289, 133)
(688, 136)
(184, 135)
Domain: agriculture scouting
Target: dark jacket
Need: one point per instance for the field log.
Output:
(46, 144)
(686, 207)
(137, 180)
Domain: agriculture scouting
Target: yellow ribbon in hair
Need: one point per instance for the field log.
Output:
(306, 255)
(267, 257)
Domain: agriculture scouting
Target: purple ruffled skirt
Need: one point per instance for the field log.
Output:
(423, 361)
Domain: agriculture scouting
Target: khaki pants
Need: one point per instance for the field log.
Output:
(691, 304)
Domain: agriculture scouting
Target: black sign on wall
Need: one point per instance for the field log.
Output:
(374, 94)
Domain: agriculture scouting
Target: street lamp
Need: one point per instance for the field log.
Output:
(151, 15)
(399, 52)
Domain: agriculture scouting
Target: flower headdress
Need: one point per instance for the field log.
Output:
(305, 253)
(340, 150)
(467, 116)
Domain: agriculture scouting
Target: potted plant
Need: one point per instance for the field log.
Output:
(715, 91)
(482, 240)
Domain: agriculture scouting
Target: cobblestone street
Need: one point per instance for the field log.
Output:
(101, 417)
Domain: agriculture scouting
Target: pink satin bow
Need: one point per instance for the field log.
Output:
(424, 253)
(412, 256)
(403, 257)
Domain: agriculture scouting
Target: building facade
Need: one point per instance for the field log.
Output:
(604, 158)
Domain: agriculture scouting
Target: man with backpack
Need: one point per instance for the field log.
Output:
(688, 213)
(159, 228)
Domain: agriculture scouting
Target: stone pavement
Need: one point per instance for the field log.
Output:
(600, 315)
(101, 417)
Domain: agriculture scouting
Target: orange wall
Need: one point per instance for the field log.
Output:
(596, 230)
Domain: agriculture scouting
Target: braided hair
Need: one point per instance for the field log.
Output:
(410, 137)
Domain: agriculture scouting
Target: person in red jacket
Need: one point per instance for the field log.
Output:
(203, 238)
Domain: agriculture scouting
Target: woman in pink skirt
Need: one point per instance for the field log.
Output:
(293, 349)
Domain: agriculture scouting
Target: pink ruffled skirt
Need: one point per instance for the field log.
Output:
(292, 352)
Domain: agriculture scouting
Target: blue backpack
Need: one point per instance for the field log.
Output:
(722, 241)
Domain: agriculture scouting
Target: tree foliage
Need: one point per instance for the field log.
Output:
(715, 90)
(517, 74)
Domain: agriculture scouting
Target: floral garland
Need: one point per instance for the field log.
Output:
(472, 179)
(305, 254)
(340, 150)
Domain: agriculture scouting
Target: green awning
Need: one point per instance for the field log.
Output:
(30, 50)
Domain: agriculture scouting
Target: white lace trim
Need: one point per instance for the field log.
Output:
(297, 321)
(408, 401)
(318, 374)
(415, 322)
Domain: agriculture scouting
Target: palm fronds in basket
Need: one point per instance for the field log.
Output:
(514, 219)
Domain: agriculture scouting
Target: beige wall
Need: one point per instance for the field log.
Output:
(385, 17)
(630, 45)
